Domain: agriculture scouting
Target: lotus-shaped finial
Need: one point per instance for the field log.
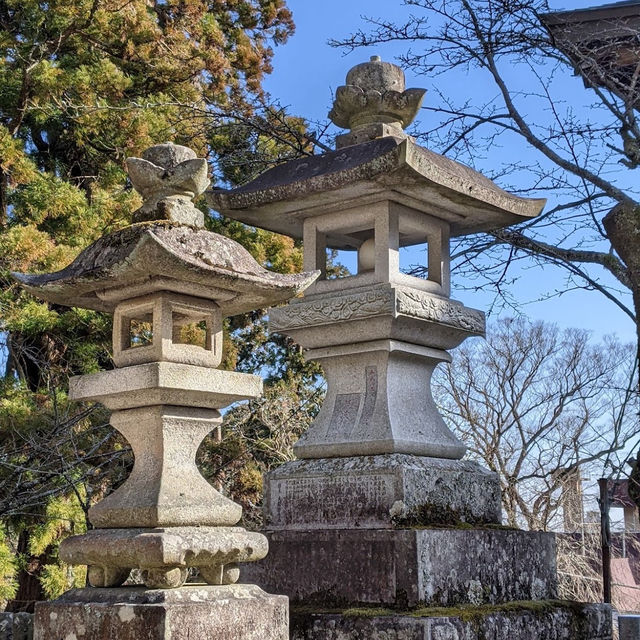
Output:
(374, 102)
(168, 177)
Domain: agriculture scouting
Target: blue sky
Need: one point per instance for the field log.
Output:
(306, 72)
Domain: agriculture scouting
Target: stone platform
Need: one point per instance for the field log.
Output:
(407, 567)
(549, 620)
(231, 612)
(378, 492)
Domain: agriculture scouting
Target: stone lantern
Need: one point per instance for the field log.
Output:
(380, 509)
(378, 333)
(160, 277)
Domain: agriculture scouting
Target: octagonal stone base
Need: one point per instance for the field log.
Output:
(548, 620)
(233, 612)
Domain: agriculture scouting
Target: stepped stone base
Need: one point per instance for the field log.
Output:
(378, 492)
(520, 621)
(407, 567)
(232, 612)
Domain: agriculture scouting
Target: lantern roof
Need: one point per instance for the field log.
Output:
(165, 256)
(384, 169)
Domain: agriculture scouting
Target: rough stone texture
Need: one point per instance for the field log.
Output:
(378, 492)
(378, 401)
(553, 621)
(171, 546)
(426, 319)
(165, 383)
(367, 132)
(629, 627)
(165, 488)
(162, 256)
(16, 626)
(283, 197)
(237, 612)
(168, 177)
(374, 94)
(408, 567)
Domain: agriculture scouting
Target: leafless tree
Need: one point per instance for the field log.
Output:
(504, 100)
(536, 405)
(579, 567)
(257, 437)
(78, 453)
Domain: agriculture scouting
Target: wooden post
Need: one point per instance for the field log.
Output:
(605, 537)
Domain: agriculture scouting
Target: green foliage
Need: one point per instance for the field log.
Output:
(8, 568)
(63, 516)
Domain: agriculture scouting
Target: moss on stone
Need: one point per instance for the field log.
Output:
(431, 513)
(466, 613)
(440, 516)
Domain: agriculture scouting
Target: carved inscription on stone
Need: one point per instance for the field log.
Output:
(414, 303)
(348, 307)
(337, 500)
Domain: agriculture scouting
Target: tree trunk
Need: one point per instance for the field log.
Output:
(4, 205)
(30, 590)
(622, 225)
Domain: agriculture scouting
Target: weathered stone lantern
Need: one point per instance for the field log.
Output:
(379, 333)
(159, 277)
(380, 509)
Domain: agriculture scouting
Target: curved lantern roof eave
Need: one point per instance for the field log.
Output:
(149, 257)
(387, 168)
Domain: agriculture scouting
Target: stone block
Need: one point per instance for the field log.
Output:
(378, 401)
(22, 626)
(6, 626)
(16, 626)
(164, 547)
(359, 313)
(408, 567)
(520, 621)
(232, 612)
(377, 492)
(167, 383)
(165, 487)
(629, 627)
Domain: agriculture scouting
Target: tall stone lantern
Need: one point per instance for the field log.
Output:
(165, 278)
(380, 509)
(379, 333)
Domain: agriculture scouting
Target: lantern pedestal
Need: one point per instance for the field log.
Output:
(230, 612)
(380, 492)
